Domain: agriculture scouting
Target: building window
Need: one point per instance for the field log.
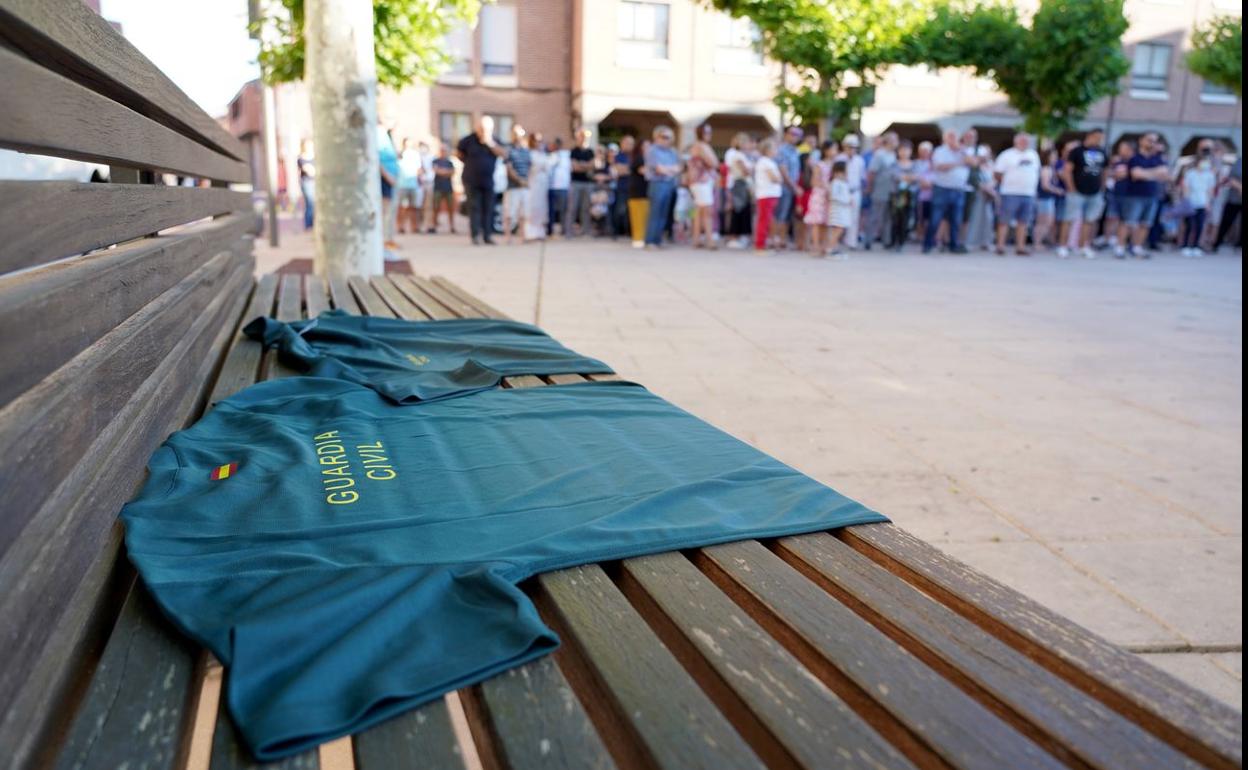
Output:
(498, 40)
(738, 44)
(642, 31)
(1212, 93)
(1151, 68)
(458, 44)
(453, 126)
(502, 125)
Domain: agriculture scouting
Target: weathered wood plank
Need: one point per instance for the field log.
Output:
(67, 36)
(394, 299)
(370, 301)
(1191, 721)
(49, 114)
(242, 362)
(56, 572)
(537, 721)
(45, 221)
(315, 295)
(564, 379)
(342, 298)
(427, 304)
(229, 752)
(454, 289)
(79, 300)
(861, 664)
(1070, 724)
(654, 698)
(456, 305)
(134, 714)
(787, 714)
(421, 738)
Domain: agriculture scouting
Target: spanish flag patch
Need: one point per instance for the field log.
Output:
(223, 471)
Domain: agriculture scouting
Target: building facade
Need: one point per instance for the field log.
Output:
(1158, 94)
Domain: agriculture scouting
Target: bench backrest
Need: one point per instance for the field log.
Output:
(116, 301)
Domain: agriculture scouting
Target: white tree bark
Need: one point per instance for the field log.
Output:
(342, 84)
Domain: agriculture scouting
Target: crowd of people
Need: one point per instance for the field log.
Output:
(785, 192)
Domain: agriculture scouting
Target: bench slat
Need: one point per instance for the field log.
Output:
(242, 361)
(370, 301)
(419, 297)
(315, 295)
(36, 224)
(289, 308)
(67, 36)
(456, 305)
(537, 721)
(139, 695)
(421, 738)
(1077, 727)
(80, 300)
(340, 295)
(57, 573)
(49, 114)
(394, 299)
(454, 289)
(794, 715)
(229, 752)
(870, 669)
(1188, 719)
(654, 698)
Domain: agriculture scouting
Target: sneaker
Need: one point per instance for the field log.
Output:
(1087, 253)
(1138, 252)
(1197, 253)
(1120, 253)
(1063, 252)
(639, 244)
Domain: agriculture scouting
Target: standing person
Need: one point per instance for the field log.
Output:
(702, 165)
(638, 196)
(769, 184)
(855, 175)
(1083, 176)
(1116, 190)
(789, 160)
(881, 180)
(411, 169)
(620, 171)
(1018, 173)
(426, 186)
(983, 201)
(516, 198)
(905, 190)
(560, 181)
(1197, 186)
(1147, 176)
(443, 190)
(740, 178)
(388, 159)
(479, 152)
(1047, 193)
(536, 214)
(1233, 210)
(923, 200)
(816, 216)
(840, 208)
(662, 168)
(950, 172)
(582, 160)
(1067, 234)
(307, 181)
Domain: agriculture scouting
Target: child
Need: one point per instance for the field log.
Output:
(682, 215)
(840, 208)
(766, 193)
(816, 216)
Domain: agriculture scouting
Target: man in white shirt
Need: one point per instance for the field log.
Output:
(1018, 175)
(855, 175)
(950, 173)
(560, 181)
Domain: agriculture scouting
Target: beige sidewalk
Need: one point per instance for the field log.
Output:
(1072, 428)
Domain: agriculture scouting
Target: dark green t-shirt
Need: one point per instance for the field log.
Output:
(409, 361)
(348, 558)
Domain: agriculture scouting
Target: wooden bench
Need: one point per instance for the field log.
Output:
(815, 651)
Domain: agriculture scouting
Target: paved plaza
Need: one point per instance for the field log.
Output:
(1072, 428)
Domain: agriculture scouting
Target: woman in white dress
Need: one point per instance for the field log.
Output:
(539, 187)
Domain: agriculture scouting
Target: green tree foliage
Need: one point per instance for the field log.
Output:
(1217, 53)
(837, 48)
(1051, 72)
(407, 37)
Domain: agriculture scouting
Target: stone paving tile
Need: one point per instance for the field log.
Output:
(1074, 429)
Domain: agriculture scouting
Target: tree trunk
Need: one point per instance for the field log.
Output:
(342, 84)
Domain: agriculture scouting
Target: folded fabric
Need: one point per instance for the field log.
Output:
(410, 361)
(348, 559)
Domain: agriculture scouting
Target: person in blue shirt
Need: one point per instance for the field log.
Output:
(789, 159)
(1147, 175)
(662, 169)
(390, 172)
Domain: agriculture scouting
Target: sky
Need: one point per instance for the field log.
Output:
(202, 45)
